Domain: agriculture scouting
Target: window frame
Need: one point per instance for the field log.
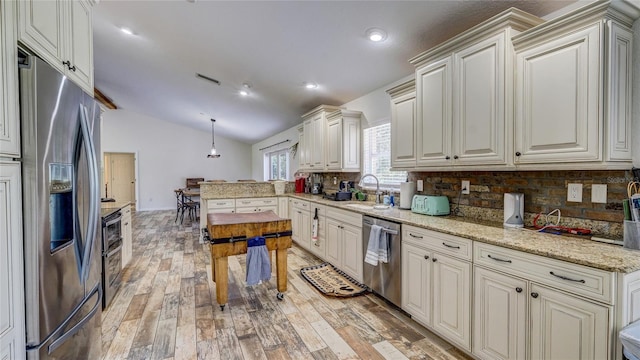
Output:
(268, 158)
(367, 167)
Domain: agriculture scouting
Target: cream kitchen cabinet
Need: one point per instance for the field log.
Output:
(9, 113)
(247, 205)
(127, 236)
(214, 206)
(403, 125)
(436, 282)
(343, 141)
(12, 311)
(344, 242)
(314, 135)
(283, 207)
(463, 97)
(61, 32)
(567, 306)
(573, 91)
(300, 222)
(319, 246)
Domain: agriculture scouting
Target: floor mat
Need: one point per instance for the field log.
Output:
(331, 281)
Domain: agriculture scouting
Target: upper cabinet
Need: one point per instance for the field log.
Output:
(9, 115)
(573, 90)
(463, 98)
(403, 125)
(330, 140)
(343, 141)
(61, 33)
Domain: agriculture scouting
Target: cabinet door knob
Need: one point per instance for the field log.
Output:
(518, 153)
(534, 295)
(434, 259)
(447, 157)
(426, 257)
(518, 289)
(455, 157)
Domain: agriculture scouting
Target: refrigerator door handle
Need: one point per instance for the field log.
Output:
(55, 344)
(93, 218)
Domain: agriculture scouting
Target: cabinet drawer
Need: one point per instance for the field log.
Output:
(578, 279)
(347, 217)
(301, 205)
(322, 210)
(257, 202)
(444, 243)
(126, 213)
(221, 203)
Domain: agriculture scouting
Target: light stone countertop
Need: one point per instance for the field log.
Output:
(108, 208)
(577, 250)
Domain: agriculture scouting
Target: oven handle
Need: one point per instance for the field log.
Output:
(114, 251)
(113, 221)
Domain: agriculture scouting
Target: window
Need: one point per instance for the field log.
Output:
(278, 164)
(377, 158)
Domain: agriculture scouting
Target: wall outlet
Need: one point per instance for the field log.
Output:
(574, 192)
(419, 185)
(599, 193)
(465, 186)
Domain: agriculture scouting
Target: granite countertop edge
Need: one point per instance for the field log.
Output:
(576, 250)
(108, 208)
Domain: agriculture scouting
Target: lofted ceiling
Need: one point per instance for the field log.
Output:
(275, 47)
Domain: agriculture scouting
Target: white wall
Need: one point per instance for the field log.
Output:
(167, 154)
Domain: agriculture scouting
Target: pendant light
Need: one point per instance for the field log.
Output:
(214, 153)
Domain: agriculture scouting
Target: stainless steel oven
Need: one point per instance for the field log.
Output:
(111, 256)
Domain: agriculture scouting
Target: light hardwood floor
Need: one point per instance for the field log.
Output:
(166, 309)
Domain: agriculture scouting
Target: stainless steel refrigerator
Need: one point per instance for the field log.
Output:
(62, 229)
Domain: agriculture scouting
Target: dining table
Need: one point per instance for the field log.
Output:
(227, 234)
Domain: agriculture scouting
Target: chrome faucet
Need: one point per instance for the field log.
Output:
(377, 186)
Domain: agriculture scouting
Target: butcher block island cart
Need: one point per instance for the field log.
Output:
(228, 235)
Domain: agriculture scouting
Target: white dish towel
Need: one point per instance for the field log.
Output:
(378, 247)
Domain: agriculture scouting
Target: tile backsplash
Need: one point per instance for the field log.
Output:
(543, 191)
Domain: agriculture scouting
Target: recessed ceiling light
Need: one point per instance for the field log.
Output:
(244, 92)
(376, 35)
(126, 31)
(310, 85)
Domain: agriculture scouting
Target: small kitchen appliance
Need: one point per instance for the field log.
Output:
(338, 196)
(316, 189)
(407, 190)
(513, 210)
(430, 205)
(300, 184)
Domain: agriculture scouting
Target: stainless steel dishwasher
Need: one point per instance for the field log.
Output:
(384, 279)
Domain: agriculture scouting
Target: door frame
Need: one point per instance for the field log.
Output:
(135, 172)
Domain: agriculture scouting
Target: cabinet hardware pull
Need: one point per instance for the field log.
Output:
(518, 289)
(566, 278)
(68, 63)
(299, 212)
(434, 259)
(450, 246)
(455, 157)
(518, 153)
(125, 224)
(426, 257)
(72, 68)
(415, 236)
(447, 157)
(498, 259)
(534, 295)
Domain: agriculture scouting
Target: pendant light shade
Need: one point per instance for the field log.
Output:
(214, 152)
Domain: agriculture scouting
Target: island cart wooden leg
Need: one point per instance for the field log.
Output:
(222, 278)
(281, 268)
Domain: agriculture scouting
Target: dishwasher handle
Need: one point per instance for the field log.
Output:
(389, 231)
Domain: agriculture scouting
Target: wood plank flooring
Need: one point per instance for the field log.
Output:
(166, 309)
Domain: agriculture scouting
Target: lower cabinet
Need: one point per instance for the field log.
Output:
(567, 327)
(300, 222)
(436, 291)
(283, 207)
(344, 242)
(250, 205)
(127, 237)
(515, 311)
